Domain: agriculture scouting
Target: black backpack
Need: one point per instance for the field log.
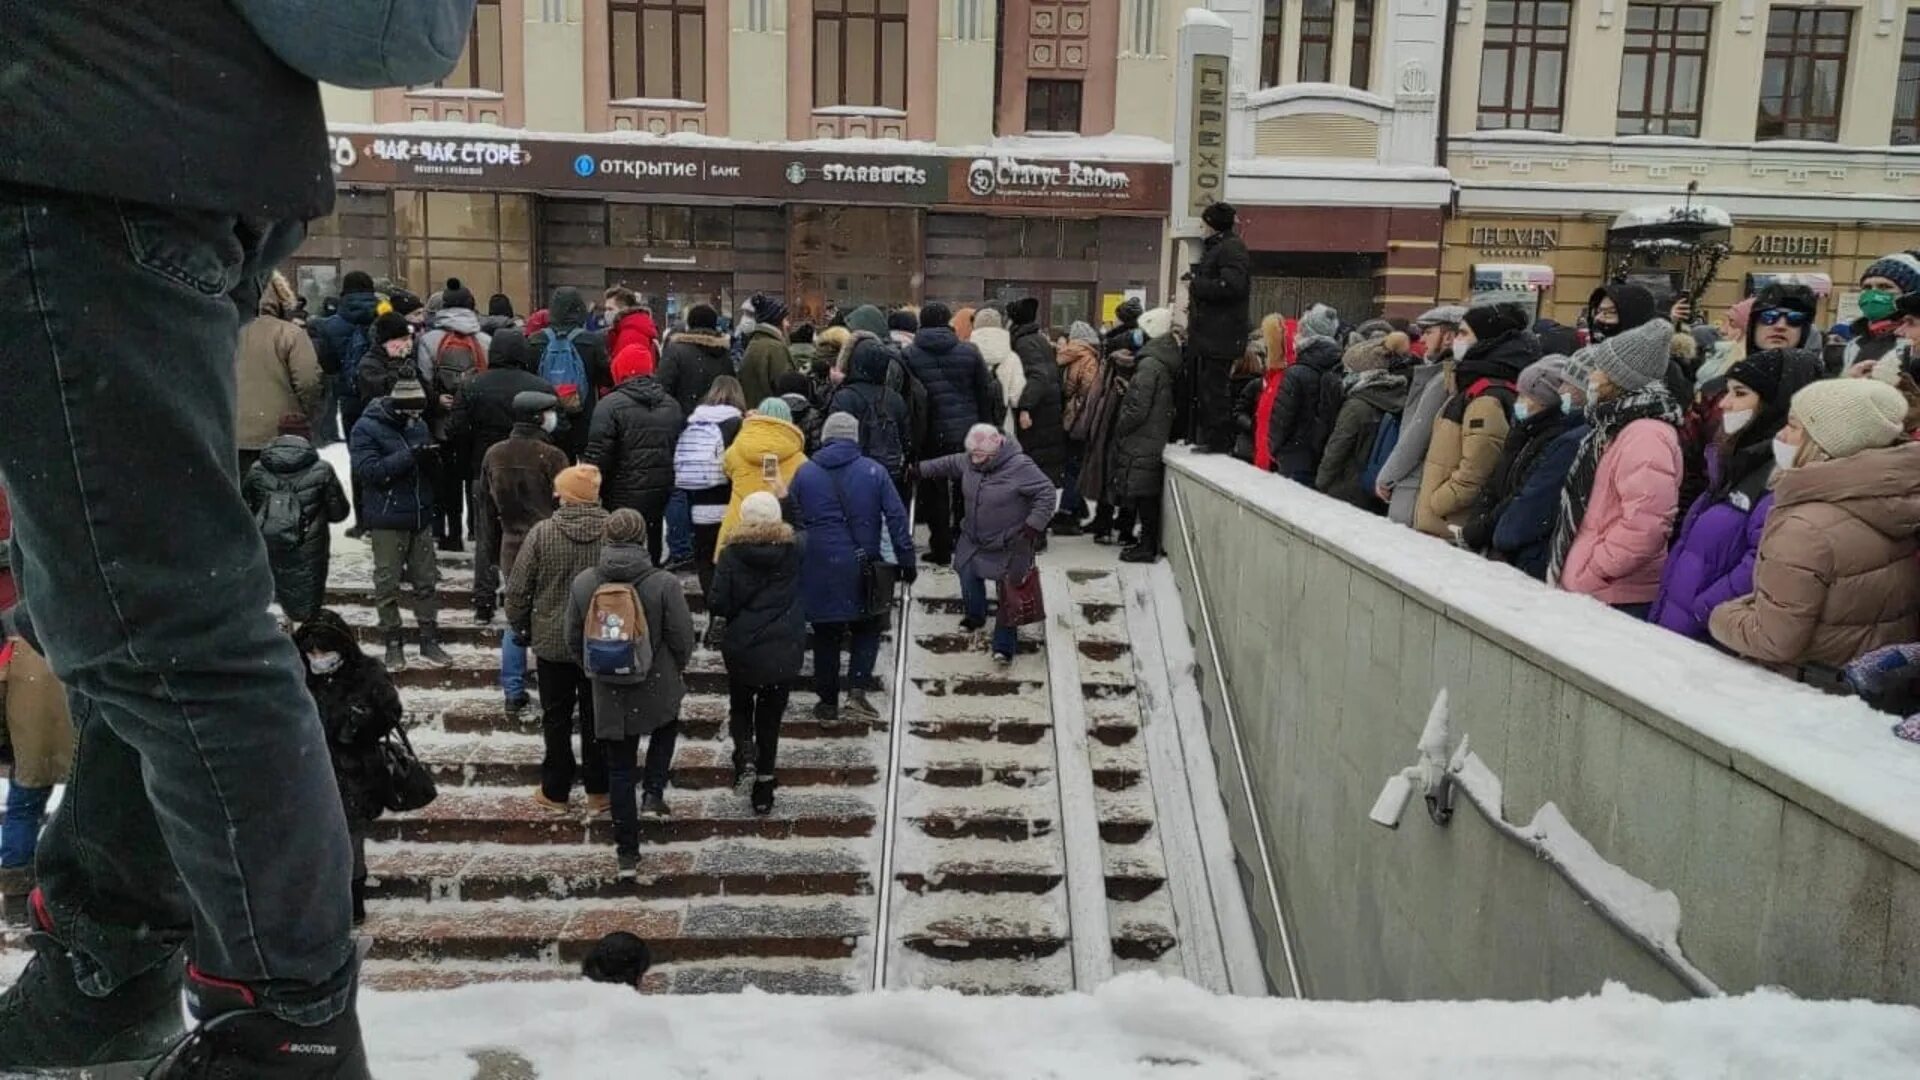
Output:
(880, 436)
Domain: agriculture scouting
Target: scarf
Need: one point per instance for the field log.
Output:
(1361, 380)
(1604, 421)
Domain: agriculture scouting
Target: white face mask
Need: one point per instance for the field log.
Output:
(1735, 422)
(1522, 409)
(1460, 347)
(325, 663)
(1784, 453)
(1567, 406)
(549, 421)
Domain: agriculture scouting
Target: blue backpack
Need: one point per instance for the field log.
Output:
(1384, 440)
(357, 345)
(560, 364)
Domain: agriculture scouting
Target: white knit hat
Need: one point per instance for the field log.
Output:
(760, 508)
(1846, 416)
(1157, 323)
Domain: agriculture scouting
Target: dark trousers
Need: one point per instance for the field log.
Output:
(622, 757)
(754, 720)
(198, 755)
(705, 539)
(449, 492)
(863, 652)
(1072, 503)
(486, 549)
(1149, 511)
(1109, 518)
(562, 687)
(1213, 402)
(400, 555)
(942, 506)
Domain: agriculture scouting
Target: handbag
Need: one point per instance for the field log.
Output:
(1021, 601)
(405, 783)
(877, 576)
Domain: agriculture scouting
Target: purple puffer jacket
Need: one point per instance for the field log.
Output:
(1712, 561)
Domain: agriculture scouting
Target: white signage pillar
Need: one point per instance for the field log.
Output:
(1201, 120)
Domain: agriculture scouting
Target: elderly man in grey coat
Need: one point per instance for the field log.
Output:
(1009, 502)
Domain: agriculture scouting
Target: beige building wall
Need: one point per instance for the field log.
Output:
(1144, 92)
(757, 71)
(554, 54)
(344, 106)
(965, 60)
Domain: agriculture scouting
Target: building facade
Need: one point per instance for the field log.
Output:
(1771, 139)
(892, 151)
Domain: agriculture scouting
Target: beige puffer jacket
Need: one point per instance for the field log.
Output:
(1460, 458)
(1836, 574)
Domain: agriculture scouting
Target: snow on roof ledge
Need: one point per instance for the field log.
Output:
(1834, 756)
(1199, 16)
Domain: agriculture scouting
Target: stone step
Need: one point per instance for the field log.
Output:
(453, 595)
(979, 774)
(702, 716)
(1009, 875)
(503, 760)
(778, 975)
(751, 867)
(474, 667)
(564, 931)
(509, 816)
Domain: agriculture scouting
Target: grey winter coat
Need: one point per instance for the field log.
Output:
(1426, 392)
(1143, 425)
(1004, 498)
(1373, 396)
(627, 710)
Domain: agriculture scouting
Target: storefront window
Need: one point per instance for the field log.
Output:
(860, 53)
(1316, 41)
(485, 240)
(852, 255)
(480, 65)
(1270, 24)
(1906, 89)
(1804, 74)
(1662, 69)
(659, 49)
(1523, 64)
(670, 226)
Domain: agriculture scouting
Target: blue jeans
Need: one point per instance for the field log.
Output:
(513, 665)
(679, 526)
(20, 824)
(973, 594)
(197, 753)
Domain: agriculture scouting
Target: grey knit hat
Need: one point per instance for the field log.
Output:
(840, 426)
(1637, 357)
(1543, 378)
(1319, 321)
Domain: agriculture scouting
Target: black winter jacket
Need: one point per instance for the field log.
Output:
(358, 707)
(1246, 403)
(692, 361)
(632, 440)
(1526, 441)
(1043, 402)
(294, 496)
(1293, 428)
(960, 389)
(756, 588)
(483, 410)
(1143, 423)
(1217, 322)
(377, 373)
(867, 397)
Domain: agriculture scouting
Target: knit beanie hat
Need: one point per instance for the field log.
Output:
(634, 361)
(776, 408)
(840, 426)
(1542, 379)
(1319, 321)
(578, 484)
(987, 319)
(1846, 416)
(1083, 333)
(458, 298)
(761, 508)
(1157, 323)
(1741, 313)
(1635, 358)
(702, 317)
(1901, 268)
(867, 317)
(1026, 309)
(767, 310)
(1489, 321)
(1371, 355)
(403, 302)
(903, 320)
(390, 327)
(408, 394)
(935, 313)
(625, 526)
(1374, 328)
(1761, 371)
(1219, 216)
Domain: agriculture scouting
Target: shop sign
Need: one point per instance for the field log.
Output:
(841, 172)
(1790, 247)
(1504, 240)
(1063, 185)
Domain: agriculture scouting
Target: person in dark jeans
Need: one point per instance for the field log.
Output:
(556, 552)
(628, 708)
(756, 589)
(172, 184)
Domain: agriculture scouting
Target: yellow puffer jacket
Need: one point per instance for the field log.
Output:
(759, 436)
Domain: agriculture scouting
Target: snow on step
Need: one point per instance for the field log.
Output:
(505, 759)
(740, 867)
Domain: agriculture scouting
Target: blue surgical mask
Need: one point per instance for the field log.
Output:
(1139, 338)
(1567, 406)
(1521, 409)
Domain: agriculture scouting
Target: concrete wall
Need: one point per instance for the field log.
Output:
(1782, 820)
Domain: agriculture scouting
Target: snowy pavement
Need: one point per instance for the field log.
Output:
(1139, 1025)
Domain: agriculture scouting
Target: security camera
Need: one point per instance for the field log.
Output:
(1392, 803)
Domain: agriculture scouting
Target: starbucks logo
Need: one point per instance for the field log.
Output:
(796, 173)
(980, 179)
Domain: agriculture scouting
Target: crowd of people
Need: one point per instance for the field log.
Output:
(1753, 484)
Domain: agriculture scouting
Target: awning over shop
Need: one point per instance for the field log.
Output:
(1671, 218)
(1511, 276)
(1821, 284)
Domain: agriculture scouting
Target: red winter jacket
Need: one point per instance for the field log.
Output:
(634, 328)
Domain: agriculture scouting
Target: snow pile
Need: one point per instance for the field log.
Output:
(1135, 1026)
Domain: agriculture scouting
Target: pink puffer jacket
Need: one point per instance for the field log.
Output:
(1621, 548)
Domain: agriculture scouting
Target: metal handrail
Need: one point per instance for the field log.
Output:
(1267, 872)
(890, 800)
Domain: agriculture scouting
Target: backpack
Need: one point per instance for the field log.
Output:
(616, 646)
(880, 435)
(1385, 438)
(279, 519)
(1503, 391)
(919, 405)
(456, 360)
(697, 456)
(560, 364)
(358, 345)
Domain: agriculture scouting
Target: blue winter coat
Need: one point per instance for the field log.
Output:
(333, 344)
(395, 491)
(1525, 529)
(961, 392)
(830, 577)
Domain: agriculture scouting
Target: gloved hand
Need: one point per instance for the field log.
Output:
(909, 574)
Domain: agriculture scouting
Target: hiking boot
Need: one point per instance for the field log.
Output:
(396, 659)
(716, 632)
(683, 566)
(825, 713)
(742, 762)
(238, 1040)
(599, 805)
(939, 558)
(655, 803)
(46, 1021)
(483, 612)
(431, 654)
(549, 805)
(517, 703)
(451, 543)
(1065, 525)
(972, 623)
(629, 865)
(1003, 659)
(859, 708)
(1140, 553)
(762, 798)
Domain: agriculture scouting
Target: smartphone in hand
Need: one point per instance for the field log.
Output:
(770, 468)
